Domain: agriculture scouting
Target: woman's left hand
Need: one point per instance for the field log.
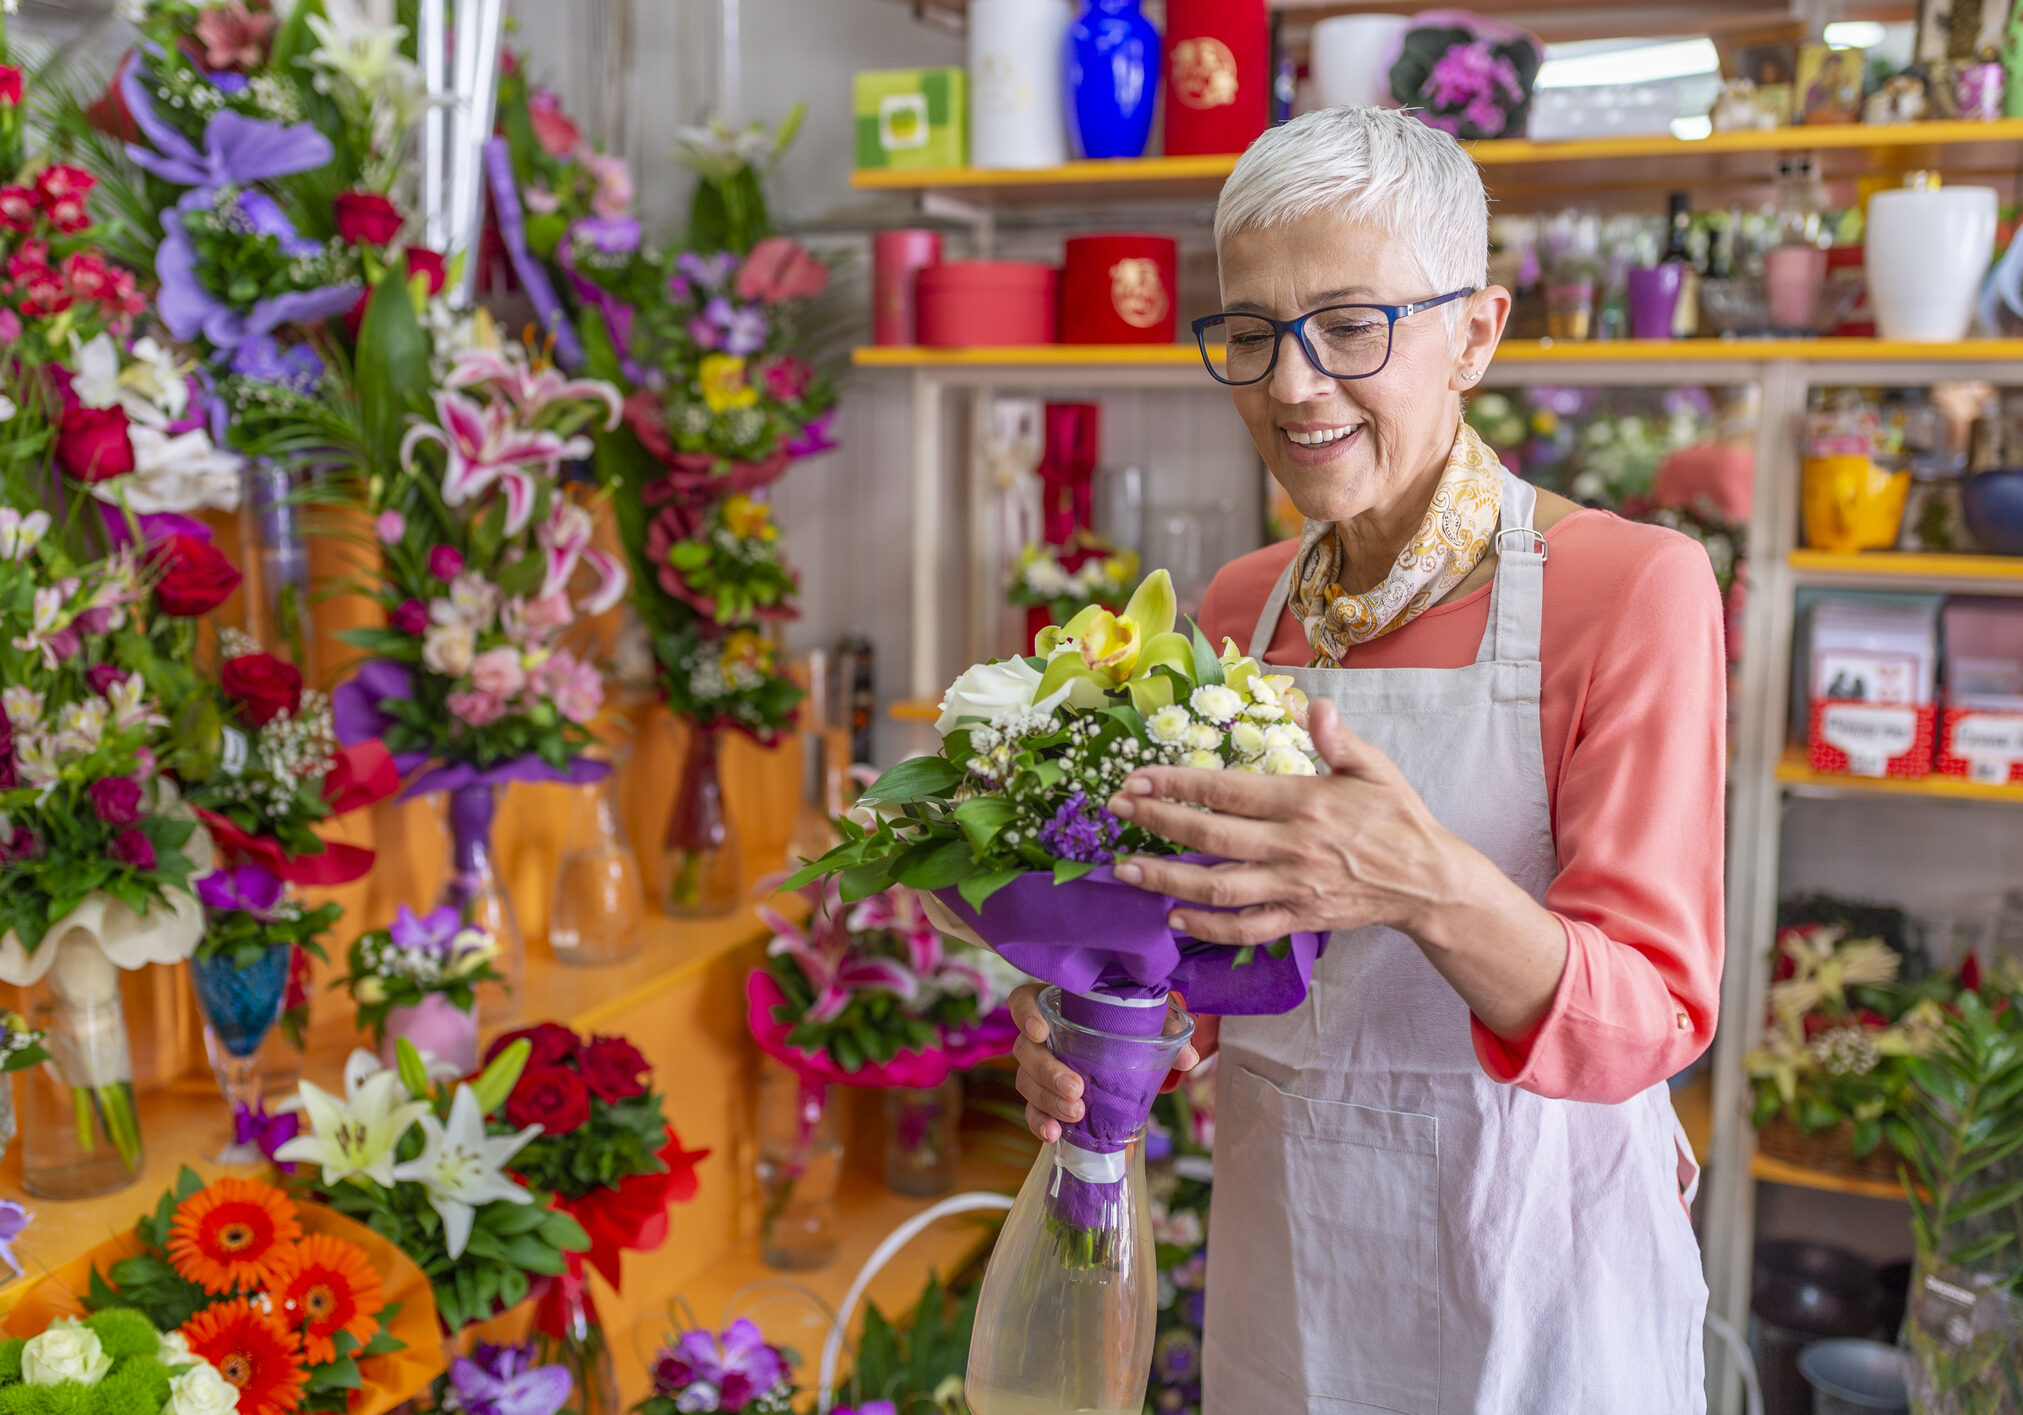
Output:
(1303, 853)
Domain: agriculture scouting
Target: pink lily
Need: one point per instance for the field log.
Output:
(487, 445)
(832, 967)
(530, 389)
(565, 540)
(898, 912)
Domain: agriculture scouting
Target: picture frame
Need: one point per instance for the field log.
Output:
(1829, 85)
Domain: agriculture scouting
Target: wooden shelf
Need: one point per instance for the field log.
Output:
(1794, 771)
(1777, 1171)
(1028, 356)
(1883, 569)
(1515, 167)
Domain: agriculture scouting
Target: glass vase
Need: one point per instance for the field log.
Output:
(80, 1132)
(599, 906)
(240, 1007)
(568, 1333)
(7, 1130)
(701, 867)
(1965, 1335)
(923, 1145)
(281, 1054)
(1066, 1316)
(800, 1163)
(473, 887)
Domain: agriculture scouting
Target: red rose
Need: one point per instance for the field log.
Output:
(553, 1045)
(92, 443)
(552, 1097)
(611, 1067)
(131, 847)
(366, 218)
(10, 86)
(423, 261)
(1970, 973)
(195, 580)
(116, 799)
(262, 685)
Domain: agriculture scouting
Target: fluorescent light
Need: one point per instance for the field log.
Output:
(1693, 129)
(1855, 34)
(1672, 59)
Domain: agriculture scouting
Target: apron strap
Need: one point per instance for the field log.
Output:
(1517, 596)
(1274, 608)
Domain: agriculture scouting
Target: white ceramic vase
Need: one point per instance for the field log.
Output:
(1351, 59)
(1018, 114)
(1927, 252)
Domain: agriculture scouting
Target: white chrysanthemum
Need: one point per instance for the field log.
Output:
(1216, 702)
(1264, 712)
(1286, 762)
(1202, 761)
(1204, 737)
(1247, 738)
(1244, 766)
(1262, 692)
(1168, 725)
(1286, 736)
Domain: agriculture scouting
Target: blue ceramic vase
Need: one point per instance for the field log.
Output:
(1994, 504)
(1113, 78)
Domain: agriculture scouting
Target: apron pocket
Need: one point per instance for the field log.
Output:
(1342, 1202)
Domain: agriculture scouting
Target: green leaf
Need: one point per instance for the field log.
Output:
(982, 885)
(943, 865)
(982, 818)
(392, 367)
(1068, 871)
(915, 779)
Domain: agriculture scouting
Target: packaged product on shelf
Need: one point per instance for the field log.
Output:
(1872, 670)
(1981, 727)
(1855, 485)
(911, 118)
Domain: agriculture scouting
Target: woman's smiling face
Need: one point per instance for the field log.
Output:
(1342, 448)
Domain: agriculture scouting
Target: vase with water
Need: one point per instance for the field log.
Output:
(473, 886)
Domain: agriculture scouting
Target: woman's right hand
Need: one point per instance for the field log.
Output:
(1052, 1090)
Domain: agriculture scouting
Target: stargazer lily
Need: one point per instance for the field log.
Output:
(463, 1169)
(832, 966)
(355, 1136)
(565, 541)
(531, 387)
(488, 445)
(1096, 653)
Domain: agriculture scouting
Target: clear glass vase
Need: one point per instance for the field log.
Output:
(240, 1007)
(80, 1129)
(281, 1054)
(568, 1333)
(599, 906)
(702, 870)
(1070, 1299)
(923, 1138)
(473, 887)
(800, 1164)
(1965, 1334)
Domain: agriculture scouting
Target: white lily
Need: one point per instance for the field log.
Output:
(95, 371)
(356, 1136)
(157, 379)
(177, 472)
(463, 1169)
(20, 534)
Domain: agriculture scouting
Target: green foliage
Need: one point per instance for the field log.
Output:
(912, 1365)
(620, 1139)
(393, 370)
(246, 938)
(10, 1359)
(146, 1282)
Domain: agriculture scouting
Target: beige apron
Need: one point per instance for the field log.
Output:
(1392, 1230)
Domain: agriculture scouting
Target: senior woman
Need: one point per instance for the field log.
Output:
(1451, 1180)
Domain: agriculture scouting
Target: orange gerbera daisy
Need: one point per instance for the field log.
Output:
(253, 1350)
(229, 1234)
(323, 1286)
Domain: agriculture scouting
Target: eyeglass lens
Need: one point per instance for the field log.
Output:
(1351, 341)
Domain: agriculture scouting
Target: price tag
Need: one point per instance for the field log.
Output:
(1990, 743)
(233, 752)
(1870, 735)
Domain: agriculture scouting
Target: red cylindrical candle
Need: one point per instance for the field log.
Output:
(1120, 289)
(1218, 75)
(967, 303)
(896, 257)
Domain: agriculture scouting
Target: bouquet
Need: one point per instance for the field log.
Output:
(411, 1159)
(1066, 579)
(114, 1362)
(874, 995)
(1466, 75)
(735, 1372)
(419, 979)
(562, 178)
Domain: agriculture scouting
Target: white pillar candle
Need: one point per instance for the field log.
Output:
(1018, 110)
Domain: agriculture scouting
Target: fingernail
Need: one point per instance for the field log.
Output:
(1174, 921)
(1138, 786)
(1122, 806)
(1128, 871)
(1037, 1031)
(1074, 1110)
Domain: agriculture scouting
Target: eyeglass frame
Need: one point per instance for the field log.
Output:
(1297, 327)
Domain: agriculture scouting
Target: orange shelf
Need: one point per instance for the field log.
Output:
(1777, 1171)
(1794, 770)
(1883, 565)
(1520, 351)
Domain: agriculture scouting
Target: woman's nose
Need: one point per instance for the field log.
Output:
(1295, 379)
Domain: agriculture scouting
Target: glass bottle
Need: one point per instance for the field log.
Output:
(80, 1133)
(800, 1163)
(701, 864)
(1679, 251)
(1065, 1320)
(599, 906)
(240, 1006)
(472, 887)
(568, 1333)
(923, 1138)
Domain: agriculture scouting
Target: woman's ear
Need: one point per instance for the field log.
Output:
(1481, 328)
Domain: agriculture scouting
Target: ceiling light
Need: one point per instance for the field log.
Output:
(1672, 59)
(1854, 34)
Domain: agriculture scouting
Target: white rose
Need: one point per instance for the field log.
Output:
(67, 1351)
(1168, 725)
(1247, 738)
(446, 649)
(172, 1349)
(201, 1391)
(992, 688)
(1286, 762)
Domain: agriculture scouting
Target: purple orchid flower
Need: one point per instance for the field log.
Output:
(814, 439)
(251, 888)
(252, 1125)
(237, 149)
(502, 1380)
(263, 360)
(711, 272)
(738, 1366)
(13, 1218)
(188, 308)
(744, 328)
(432, 931)
(264, 215)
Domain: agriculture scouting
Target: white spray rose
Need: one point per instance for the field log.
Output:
(446, 649)
(67, 1351)
(172, 1349)
(993, 688)
(201, 1391)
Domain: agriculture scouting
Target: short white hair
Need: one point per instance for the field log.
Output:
(1376, 165)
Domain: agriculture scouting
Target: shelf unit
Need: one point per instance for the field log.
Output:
(1798, 778)
(948, 477)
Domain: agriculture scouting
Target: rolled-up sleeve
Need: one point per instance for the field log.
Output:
(1638, 818)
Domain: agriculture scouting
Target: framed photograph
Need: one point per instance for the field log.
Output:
(1766, 55)
(1829, 84)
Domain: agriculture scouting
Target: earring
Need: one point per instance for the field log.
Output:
(1472, 374)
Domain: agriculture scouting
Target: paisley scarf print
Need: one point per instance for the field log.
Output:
(1459, 527)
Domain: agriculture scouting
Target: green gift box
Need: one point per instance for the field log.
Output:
(912, 118)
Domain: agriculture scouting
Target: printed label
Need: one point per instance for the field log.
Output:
(1991, 744)
(232, 752)
(902, 121)
(1870, 735)
(1868, 678)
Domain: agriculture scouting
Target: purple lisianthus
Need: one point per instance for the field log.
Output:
(251, 888)
(502, 1380)
(711, 272)
(13, 1218)
(743, 326)
(738, 1367)
(432, 931)
(1081, 830)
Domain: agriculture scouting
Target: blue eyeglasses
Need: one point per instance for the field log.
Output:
(1342, 341)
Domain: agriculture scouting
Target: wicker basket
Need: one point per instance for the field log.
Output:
(1829, 1151)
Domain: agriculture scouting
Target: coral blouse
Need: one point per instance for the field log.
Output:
(1632, 710)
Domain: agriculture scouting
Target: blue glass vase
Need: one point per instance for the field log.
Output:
(1113, 78)
(240, 1007)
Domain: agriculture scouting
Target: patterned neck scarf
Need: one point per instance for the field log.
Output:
(1450, 542)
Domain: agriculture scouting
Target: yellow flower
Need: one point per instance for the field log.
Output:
(723, 383)
(749, 648)
(748, 519)
(1545, 422)
(1098, 652)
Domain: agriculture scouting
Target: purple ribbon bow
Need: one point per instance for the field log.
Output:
(237, 150)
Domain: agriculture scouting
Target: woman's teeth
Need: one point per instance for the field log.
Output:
(1322, 438)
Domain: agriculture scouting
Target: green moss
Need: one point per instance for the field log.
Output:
(123, 1332)
(10, 1360)
(137, 1388)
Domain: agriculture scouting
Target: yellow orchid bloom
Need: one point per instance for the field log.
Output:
(1097, 652)
(724, 386)
(748, 519)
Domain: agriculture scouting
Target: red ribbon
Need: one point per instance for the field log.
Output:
(633, 1215)
(359, 776)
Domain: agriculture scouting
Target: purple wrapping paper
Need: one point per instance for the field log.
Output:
(533, 275)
